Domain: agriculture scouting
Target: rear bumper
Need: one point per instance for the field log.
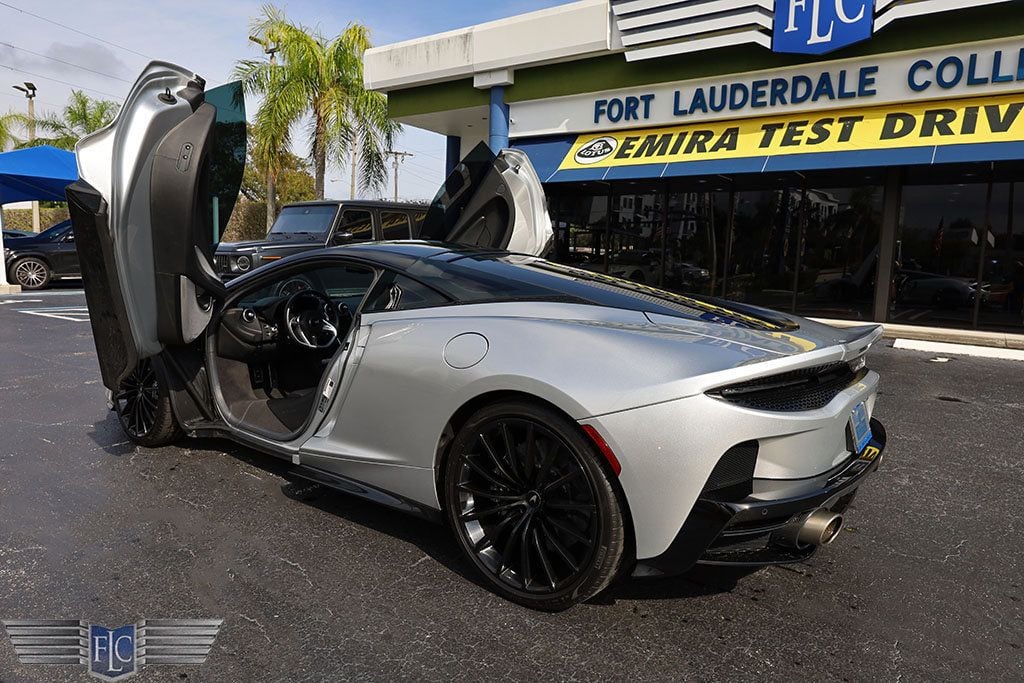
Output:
(743, 533)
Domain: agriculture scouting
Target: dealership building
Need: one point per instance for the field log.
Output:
(845, 159)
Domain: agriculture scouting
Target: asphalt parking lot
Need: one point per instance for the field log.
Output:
(926, 582)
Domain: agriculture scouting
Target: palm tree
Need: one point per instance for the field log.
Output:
(8, 123)
(81, 116)
(318, 81)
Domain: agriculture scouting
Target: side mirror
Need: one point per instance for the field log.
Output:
(342, 237)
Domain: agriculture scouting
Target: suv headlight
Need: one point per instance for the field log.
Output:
(7, 254)
(241, 264)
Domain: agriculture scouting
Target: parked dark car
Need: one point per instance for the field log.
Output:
(15, 234)
(313, 225)
(35, 261)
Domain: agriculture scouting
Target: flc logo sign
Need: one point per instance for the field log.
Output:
(814, 27)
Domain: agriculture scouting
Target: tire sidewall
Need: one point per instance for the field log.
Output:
(609, 554)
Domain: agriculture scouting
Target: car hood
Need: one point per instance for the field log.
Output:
(264, 245)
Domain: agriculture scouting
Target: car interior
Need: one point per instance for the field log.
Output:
(274, 344)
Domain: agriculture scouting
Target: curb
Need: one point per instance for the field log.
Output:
(998, 340)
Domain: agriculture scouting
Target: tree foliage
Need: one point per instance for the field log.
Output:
(294, 182)
(81, 116)
(317, 82)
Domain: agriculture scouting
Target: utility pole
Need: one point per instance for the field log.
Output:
(270, 50)
(30, 94)
(397, 157)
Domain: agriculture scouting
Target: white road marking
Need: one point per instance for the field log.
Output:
(4, 302)
(959, 349)
(75, 314)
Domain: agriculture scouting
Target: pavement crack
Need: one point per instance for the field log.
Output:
(298, 566)
(258, 624)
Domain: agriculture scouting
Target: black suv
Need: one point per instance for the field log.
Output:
(35, 261)
(312, 225)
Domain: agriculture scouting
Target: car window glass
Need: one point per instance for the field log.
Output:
(395, 225)
(227, 157)
(344, 284)
(355, 226)
(417, 221)
(303, 220)
(397, 292)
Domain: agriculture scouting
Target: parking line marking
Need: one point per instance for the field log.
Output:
(75, 314)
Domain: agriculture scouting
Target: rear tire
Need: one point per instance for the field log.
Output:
(143, 407)
(31, 273)
(533, 506)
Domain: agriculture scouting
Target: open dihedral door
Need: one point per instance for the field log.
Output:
(157, 188)
(491, 201)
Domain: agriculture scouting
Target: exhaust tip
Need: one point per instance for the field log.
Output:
(821, 527)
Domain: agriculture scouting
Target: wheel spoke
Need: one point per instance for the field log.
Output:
(565, 478)
(510, 453)
(559, 548)
(497, 461)
(515, 538)
(571, 506)
(545, 563)
(569, 531)
(530, 452)
(546, 460)
(465, 486)
(479, 514)
(525, 570)
(467, 458)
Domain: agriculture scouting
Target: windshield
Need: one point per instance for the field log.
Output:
(55, 232)
(305, 221)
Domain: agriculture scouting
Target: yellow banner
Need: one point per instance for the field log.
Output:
(969, 121)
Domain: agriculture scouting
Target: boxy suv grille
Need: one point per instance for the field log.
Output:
(792, 392)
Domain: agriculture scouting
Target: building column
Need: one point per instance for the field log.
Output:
(498, 135)
(891, 204)
(453, 153)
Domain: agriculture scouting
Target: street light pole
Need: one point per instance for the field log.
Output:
(30, 94)
(397, 157)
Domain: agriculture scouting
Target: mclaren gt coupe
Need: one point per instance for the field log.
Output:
(570, 427)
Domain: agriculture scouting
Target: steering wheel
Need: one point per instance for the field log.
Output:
(312, 319)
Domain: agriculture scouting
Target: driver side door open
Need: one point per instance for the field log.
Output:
(157, 189)
(272, 347)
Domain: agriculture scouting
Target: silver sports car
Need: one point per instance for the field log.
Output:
(570, 427)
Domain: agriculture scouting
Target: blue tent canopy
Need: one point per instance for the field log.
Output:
(36, 174)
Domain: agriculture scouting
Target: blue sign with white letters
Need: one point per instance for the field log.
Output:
(111, 651)
(814, 27)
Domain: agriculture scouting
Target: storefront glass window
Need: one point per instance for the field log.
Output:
(838, 259)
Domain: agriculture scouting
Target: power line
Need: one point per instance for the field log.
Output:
(57, 80)
(38, 101)
(78, 31)
(56, 59)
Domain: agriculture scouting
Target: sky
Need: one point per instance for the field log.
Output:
(208, 37)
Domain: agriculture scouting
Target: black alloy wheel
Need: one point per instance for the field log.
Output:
(144, 408)
(533, 506)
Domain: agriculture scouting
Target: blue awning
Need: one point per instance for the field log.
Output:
(36, 174)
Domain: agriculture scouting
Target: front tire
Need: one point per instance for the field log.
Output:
(143, 407)
(533, 506)
(31, 273)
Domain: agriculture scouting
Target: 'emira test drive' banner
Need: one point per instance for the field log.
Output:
(928, 124)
